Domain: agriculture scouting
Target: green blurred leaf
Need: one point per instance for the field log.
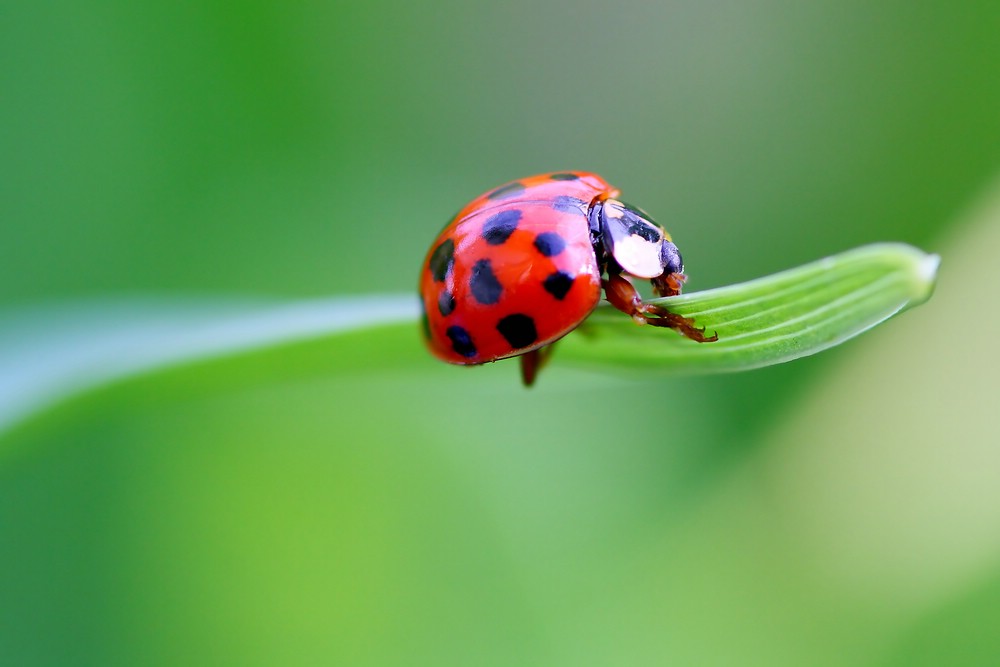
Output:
(767, 321)
(50, 353)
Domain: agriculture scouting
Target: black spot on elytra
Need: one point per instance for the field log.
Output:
(550, 244)
(567, 204)
(499, 227)
(518, 329)
(563, 176)
(505, 191)
(446, 303)
(558, 284)
(484, 284)
(461, 341)
(442, 260)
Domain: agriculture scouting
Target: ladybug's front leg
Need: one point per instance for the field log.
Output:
(668, 284)
(622, 295)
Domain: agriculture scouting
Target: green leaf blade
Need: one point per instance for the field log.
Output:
(68, 350)
(770, 320)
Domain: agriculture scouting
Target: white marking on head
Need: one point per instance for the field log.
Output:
(613, 208)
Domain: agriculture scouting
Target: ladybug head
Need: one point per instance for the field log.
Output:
(670, 258)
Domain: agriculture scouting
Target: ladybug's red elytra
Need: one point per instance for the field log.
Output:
(521, 266)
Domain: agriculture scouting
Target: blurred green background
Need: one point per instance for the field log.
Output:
(301, 506)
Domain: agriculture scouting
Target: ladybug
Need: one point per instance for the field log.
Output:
(521, 266)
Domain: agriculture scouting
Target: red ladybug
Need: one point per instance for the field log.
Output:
(521, 266)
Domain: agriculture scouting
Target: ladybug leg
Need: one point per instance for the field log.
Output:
(668, 284)
(532, 362)
(622, 295)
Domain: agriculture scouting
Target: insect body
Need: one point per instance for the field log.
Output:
(521, 266)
